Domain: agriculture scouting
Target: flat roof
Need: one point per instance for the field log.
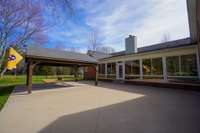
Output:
(156, 47)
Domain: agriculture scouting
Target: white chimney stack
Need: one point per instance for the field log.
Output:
(131, 44)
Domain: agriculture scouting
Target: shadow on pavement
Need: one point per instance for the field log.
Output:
(38, 87)
(161, 110)
(143, 115)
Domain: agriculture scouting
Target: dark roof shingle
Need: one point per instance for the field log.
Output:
(47, 53)
(160, 46)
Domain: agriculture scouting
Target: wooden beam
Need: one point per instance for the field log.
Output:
(30, 68)
(27, 72)
(96, 76)
(29, 76)
(59, 62)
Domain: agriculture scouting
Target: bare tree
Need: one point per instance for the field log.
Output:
(165, 37)
(106, 49)
(59, 6)
(93, 43)
(21, 22)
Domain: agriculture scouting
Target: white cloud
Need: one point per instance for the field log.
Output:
(147, 19)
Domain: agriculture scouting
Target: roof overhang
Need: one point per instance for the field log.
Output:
(57, 62)
(46, 56)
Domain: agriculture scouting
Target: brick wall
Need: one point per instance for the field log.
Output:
(89, 73)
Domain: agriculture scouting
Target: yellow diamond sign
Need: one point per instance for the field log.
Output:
(13, 59)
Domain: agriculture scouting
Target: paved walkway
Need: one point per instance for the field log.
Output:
(109, 108)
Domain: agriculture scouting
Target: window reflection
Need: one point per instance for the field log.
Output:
(157, 68)
(132, 69)
(185, 65)
(146, 65)
(111, 70)
(188, 65)
(172, 65)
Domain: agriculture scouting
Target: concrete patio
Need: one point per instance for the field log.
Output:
(81, 107)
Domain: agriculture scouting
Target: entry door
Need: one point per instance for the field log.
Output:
(120, 71)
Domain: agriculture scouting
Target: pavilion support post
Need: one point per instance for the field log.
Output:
(27, 73)
(30, 68)
(96, 75)
(29, 76)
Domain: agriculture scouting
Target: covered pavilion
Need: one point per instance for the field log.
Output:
(50, 57)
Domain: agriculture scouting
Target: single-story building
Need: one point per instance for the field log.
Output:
(179, 59)
(169, 60)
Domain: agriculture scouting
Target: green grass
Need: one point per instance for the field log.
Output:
(8, 83)
(21, 79)
(4, 94)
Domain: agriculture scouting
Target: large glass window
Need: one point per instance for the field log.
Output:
(128, 67)
(132, 67)
(185, 65)
(146, 65)
(111, 70)
(173, 65)
(157, 68)
(188, 65)
(101, 68)
(152, 68)
(136, 67)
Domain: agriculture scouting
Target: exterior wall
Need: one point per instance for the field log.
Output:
(198, 33)
(192, 12)
(154, 54)
(89, 73)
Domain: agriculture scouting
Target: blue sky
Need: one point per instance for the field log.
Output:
(113, 20)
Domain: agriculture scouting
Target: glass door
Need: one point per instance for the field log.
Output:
(120, 71)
